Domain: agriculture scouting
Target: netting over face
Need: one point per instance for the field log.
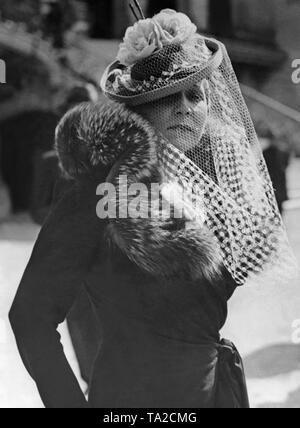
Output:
(212, 151)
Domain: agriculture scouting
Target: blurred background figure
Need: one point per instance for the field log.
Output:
(277, 160)
(48, 184)
(23, 135)
(28, 163)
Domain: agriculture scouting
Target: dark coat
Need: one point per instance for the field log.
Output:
(161, 344)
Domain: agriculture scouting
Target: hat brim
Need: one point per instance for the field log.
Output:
(177, 86)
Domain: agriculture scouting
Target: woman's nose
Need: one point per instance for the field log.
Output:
(183, 106)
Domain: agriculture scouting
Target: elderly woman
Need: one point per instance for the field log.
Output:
(170, 210)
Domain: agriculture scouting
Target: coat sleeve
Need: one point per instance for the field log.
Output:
(65, 250)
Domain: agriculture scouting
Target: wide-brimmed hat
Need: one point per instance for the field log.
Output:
(160, 57)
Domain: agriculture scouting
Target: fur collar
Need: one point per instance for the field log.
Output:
(91, 138)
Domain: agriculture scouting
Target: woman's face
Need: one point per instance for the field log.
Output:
(180, 118)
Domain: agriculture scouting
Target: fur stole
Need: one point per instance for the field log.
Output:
(92, 138)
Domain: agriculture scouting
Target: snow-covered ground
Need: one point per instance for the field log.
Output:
(260, 322)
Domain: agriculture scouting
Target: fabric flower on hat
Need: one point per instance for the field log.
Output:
(177, 27)
(140, 41)
(149, 35)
